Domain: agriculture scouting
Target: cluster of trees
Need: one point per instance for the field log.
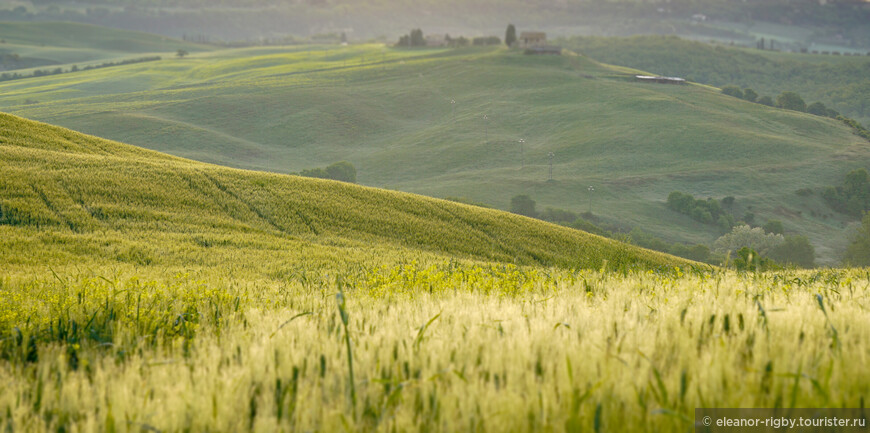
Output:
(793, 101)
(41, 73)
(416, 39)
(413, 39)
(787, 100)
(525, 205)
(768, 244)
(758, 248)
(342, 171)
(744, 246)
(710, 211)
(853, 196)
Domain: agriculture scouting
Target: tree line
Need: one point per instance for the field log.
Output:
(415, 38)
(6, 76)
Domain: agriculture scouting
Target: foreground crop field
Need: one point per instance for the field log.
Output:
(425, 347)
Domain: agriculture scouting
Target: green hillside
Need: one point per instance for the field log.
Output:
(389, 112)
(838, 81)
(39, 44)
(67, 198)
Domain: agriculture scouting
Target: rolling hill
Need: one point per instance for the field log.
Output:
(389, 112)
(72, 199)
(839, 81)
(39, 44)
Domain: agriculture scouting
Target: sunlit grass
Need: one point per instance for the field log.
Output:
(388, 111)
(434, 349)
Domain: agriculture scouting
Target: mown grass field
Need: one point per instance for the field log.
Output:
(144, 292)
(389, 112)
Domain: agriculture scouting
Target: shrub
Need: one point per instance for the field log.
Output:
(858, 252)
(524, 205)
(795, 250)
(774, 227)
(560, 216)
(853, 196)
(791, 101)
(706, 211)
(732, 91)
(342, 171)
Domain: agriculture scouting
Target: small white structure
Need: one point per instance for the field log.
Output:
(660, 80)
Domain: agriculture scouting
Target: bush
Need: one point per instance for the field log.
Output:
(748, 260)
(858, 252)
(791, 101)
(524, 205)
(750, 95)
(819, 109)
(559, 216)
(706, 211)
(774, 227)
(795, 250)
(766, 100)
(342, 171)
(733, 91)
(853, 197)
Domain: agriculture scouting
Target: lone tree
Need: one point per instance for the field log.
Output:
(181, 53)
(791, 101)
(524, 205)
(510, 35)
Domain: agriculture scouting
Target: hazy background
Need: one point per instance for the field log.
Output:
(794, 24)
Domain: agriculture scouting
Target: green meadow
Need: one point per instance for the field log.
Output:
(390, 113)
(839, 81)
(146, 292)
(49, 45)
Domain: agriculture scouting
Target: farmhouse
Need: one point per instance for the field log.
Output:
(660, 80)
(532, 39)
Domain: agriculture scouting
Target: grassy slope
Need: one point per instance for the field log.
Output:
(67, 43)
(840, 82)
(389, 113)
(67, 198)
